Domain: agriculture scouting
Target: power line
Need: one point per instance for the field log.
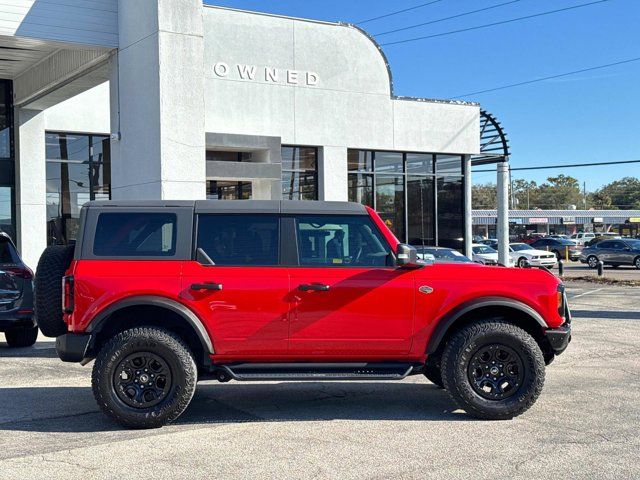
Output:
(415, 39)
(547, 167)
(542, 79)
(398, 12)
(445, 18)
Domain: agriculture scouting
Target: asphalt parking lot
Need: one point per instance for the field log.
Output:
(577, 269)
(585, 425)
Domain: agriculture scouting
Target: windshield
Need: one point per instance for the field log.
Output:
(483, 249)
(443, 255)
(517, 247)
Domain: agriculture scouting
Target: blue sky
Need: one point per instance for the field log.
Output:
(588, 117)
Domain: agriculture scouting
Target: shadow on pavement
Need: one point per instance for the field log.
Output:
(39, 350)
(76, 411)
(609, 314)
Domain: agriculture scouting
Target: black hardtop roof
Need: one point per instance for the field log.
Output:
(241, 206)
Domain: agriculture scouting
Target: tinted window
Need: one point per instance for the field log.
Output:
(618, 245)
(135, 235)
(340, 241)
(605, 244)
(239, 239)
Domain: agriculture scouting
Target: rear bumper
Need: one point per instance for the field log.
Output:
(73, 347)
(16, 318)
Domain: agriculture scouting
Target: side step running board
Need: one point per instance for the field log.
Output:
(314, 371)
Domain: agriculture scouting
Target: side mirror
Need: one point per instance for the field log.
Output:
(407, 256)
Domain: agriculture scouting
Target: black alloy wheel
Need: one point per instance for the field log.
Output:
(495, 372)
(142, 380)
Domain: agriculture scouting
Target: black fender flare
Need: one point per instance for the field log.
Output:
(450, 318)
(98, 322)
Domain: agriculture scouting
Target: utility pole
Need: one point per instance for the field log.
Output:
(584, 194)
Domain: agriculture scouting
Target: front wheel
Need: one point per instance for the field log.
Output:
(21, 337)
(522, 262)
(144, 377)
(592, 261)
(493, 370)
(636, 262)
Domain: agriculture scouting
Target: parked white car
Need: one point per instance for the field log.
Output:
(484, 254)
(582, 237)
(521, 253)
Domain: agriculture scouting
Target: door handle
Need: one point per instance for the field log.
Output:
(206, 286)
(316, 287)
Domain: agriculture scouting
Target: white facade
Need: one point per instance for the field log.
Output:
(170, 79)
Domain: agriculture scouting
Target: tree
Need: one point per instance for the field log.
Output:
(620, 194)
(559, 193)
(484, 197)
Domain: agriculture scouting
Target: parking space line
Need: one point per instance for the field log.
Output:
(587, 293)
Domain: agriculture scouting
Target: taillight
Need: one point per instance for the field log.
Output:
(22, 272)
(67, 294)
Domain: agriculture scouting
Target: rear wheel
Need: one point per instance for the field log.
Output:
(493, 370)
(592, 261)
(144, 377)
(21, 337)
(48, 289)
(636, 262)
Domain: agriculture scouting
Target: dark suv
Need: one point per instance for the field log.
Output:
(162, 294)
(16, 297)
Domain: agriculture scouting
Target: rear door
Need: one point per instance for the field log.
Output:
(236, 286)
(349, 299)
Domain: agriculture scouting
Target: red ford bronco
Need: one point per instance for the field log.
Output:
(163, 293)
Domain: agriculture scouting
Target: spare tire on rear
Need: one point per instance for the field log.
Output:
(48, 289)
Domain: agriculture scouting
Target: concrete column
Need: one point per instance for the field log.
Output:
(157, 100)
(31, 185)
(468, 217)
(503, 213)
(332, 174)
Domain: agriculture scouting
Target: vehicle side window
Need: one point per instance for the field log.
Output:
(605, 244)
(133, 234)
(8, 253)
(239, 240)
(617, 245)
(341, 241)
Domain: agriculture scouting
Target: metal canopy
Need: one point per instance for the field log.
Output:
(494, 146)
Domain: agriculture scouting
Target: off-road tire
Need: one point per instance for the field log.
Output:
(433, 370)
(48, 289)
(459, 352)
(159, 342)
(21, 337)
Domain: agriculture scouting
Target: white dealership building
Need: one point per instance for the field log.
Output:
(170, 99)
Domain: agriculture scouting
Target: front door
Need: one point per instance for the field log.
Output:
(236, 285)
(349, 299)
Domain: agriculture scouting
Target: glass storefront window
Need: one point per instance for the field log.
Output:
(450, 212)
(228, 190)
(299, 173)
(7, 166)
(390, 202)
(418, 195)
(420, 201)
(388, 162)
(361, 188)
(360, 161)
(78, 170)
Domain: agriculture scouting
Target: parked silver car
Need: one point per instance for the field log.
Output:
(624, 251)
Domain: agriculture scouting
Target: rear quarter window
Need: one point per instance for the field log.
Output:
(131, 234)
(8, 253)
